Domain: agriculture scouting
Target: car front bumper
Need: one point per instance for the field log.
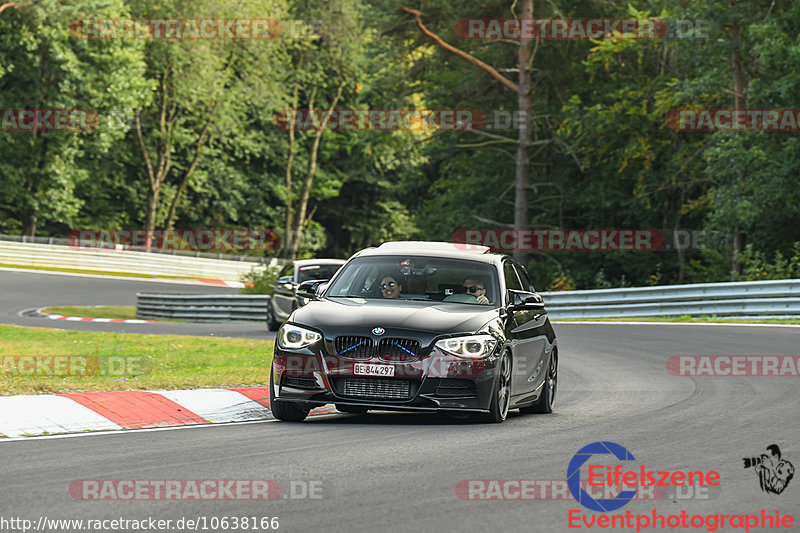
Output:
(435, 382)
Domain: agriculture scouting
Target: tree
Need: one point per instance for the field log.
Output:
(325, 67)
(43, 66)
(204, 95)
(522, 89)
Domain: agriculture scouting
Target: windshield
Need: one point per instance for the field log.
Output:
(417, 278)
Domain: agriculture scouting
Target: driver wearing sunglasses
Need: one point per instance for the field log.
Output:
(475, 288)
(390, 287)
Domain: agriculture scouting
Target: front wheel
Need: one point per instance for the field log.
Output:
(501, 395)
(547, 399)
(283, 410)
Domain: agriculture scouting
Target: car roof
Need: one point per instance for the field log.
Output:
(433, 249)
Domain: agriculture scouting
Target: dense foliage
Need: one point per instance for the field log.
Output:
(188, 136)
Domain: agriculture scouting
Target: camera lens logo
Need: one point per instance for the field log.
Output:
(774, 472)
(574, 476)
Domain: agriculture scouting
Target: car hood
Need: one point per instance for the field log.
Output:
(356, 315)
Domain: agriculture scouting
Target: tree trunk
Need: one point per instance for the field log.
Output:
(739, 102)
(29, 220)
(286, 245)
(150, 215)
(738, 248)
(300, 219)
(521, 180)
(679, 249)
(185, 180)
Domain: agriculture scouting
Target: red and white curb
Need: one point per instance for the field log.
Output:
(85, 319)
(24, 416)
(40, 313)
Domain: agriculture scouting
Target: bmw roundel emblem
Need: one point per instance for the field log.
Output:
(378, 331)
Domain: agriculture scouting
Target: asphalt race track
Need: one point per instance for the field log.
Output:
(24, 291)
(399, 472)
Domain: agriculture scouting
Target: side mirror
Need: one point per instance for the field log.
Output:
(524, 300)
(310, 289)
(285, 280)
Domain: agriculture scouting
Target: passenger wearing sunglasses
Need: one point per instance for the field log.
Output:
(475, 288)
(390, 287)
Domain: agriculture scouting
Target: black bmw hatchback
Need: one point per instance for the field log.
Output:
(418, 326)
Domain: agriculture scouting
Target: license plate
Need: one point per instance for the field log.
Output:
(365, 369)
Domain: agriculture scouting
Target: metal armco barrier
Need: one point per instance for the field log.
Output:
(207, 307)
(52, 255)
(738, 299)
(744, 299)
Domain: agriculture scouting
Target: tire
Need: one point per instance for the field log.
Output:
(353, 409)
(501, 393)
(282, 410)
(272, 322)
(547, 400)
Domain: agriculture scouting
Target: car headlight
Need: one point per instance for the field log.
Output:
(293, 337)
(472, 346)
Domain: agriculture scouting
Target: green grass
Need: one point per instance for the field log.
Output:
(89, 271)
(155, 362)
(687, 318)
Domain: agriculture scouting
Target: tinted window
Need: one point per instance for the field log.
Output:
(512, 281)
(305, 273)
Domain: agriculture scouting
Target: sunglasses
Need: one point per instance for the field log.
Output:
(473, 288)
(390, 284)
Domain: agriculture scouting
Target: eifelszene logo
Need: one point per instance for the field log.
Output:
(774, 473)
(617, 477)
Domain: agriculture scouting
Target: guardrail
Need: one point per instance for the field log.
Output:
(53, 255)
(736, 299)
(206, 307)
(743, 299)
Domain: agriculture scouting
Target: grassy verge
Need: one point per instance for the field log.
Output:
(89, 271)
(688, 319)
(124, 361)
